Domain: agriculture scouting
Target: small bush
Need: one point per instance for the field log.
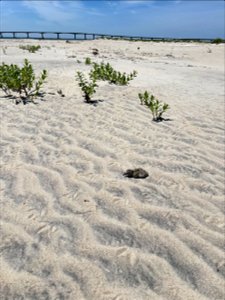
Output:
(87, 87)
(21, 80)
(30, 48)
(8, 76)
(157, 108)
(217, 41)
(106, 72)
(88, 61)
(145, 98)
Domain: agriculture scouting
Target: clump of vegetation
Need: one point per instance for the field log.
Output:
(88, 61)
(106, 72)
(217, 41)
(88, 87)
(145, 98)
(8, 73)
(30, 48)
(157, 107)
(21, 80)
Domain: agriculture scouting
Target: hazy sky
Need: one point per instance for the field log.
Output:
(163, 18)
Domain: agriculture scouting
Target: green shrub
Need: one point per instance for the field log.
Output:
(21, 80)
(106, 72)
(145, 98)
(217, 41)
(88, 61)
(157, 108)
(8, 73)
(30, 48)
(87, 87)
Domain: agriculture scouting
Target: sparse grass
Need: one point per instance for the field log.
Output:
(157, 108)
(30, 48)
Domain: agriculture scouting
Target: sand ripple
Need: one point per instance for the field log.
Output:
(74, 228)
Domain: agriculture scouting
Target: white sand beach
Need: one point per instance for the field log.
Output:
(72, 226)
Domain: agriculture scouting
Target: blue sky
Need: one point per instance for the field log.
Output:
(162, 18)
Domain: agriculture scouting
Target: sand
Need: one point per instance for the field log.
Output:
(72, 227)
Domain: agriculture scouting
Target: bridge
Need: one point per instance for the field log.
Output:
(40, 35)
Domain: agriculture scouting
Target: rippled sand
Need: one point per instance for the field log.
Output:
(72, 227)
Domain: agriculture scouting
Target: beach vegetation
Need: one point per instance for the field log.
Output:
(8, 73)
(217, 41)
(22, 81)
(88, 61)
(30, 48)
(106, 72)
(145, 98)
(88, 86)
(157, 107)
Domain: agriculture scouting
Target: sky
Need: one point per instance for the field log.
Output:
(153, 18)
